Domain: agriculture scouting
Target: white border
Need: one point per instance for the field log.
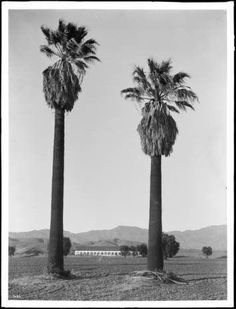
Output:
(230, 151)
(120, 304)
(228, 6)
(5, 156)
(109, 5)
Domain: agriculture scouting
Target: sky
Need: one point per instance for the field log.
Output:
(107, 176)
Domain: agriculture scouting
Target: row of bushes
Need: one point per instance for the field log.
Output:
(170, 248)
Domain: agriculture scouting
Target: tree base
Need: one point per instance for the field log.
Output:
(161, 276)
(65, 274)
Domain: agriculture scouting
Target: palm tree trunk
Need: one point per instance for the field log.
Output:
(155, 255)
(55, 252)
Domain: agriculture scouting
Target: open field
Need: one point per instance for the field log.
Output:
(105, 278)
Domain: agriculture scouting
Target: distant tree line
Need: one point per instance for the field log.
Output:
(170, 248)
(133, 250)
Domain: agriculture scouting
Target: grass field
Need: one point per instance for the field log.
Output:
(108, 278)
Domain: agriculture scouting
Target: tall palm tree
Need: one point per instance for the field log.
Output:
(158, 93)
(61, 86)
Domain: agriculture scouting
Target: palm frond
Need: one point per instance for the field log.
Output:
(56, 37)
(136, 93)
(183, 104)
(156, 68)
(140, 78)
(165, 67)
(61, 26)
(47, 50)
(53, 37)
(71, 31)
(186, 94)
(172, 108)
(62, 32)
(165, 80)
(180, 77)
(133, 96)
(81, 65)
(91, 59)
(88, 49)
(48, 34)
(81, 34)
(134, 90)
(153, 65)
(91, 42)
(154, 74)
(72, 44)
(138, 71)
(160, 76)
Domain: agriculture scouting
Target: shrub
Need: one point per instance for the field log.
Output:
(170, 246)
(66, 246)
(207, 251)
(124, 250)
(11, 250)
(134, 250)
(142, 249)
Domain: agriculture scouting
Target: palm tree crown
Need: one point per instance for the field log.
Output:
(159, 93)
(61, 81)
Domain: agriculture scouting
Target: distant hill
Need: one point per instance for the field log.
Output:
(118, 235)
(29, 246)
(214, 236)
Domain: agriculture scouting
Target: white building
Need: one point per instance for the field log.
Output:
(98, 252)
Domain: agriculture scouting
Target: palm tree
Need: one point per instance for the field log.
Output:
(61, 86)
(158, 93)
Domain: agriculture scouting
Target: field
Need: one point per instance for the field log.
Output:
(109, 278)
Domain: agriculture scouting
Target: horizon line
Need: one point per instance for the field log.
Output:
(108, 229)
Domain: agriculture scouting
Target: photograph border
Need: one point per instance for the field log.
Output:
(228, 6)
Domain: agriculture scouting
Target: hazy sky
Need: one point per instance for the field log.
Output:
(106, 172)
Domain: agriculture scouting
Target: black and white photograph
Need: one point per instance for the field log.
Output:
(117, 154)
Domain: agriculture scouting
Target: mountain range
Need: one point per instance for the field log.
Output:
(214, 236)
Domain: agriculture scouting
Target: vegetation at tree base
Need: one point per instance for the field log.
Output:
(124, 250)
(66, 245)
(207, 251)
(158, 93)
(142, 249)
(11, 250)
(170, 246)
(61, 86)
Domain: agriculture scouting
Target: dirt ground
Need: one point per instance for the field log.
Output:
(111, 279)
